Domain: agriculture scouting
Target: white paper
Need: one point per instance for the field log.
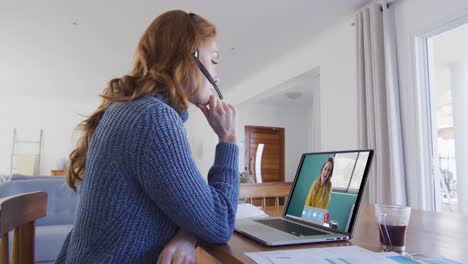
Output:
(329, 255)
(247, 210)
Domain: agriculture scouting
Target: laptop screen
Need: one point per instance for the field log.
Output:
(328, 188)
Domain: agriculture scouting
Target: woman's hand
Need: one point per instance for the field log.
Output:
(179, 250)
(222, 117)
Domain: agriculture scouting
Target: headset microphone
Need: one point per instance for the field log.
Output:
(207, 74)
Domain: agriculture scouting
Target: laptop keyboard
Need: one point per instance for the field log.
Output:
(290, 227)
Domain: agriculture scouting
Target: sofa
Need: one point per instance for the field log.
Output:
(51, 230)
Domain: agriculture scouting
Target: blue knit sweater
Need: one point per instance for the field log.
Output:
(141, 184)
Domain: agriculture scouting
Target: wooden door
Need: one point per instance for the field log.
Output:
(272, 164)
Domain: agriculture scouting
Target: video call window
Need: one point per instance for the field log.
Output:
(327, 188)
(348, 171)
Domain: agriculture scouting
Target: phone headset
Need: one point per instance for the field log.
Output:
(200, 65)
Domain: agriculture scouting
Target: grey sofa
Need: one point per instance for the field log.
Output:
(61, 205)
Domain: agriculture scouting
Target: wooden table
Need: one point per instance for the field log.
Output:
(57, 172)
(429, 234)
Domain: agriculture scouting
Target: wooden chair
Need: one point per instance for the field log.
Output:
(19, 213)
(264, 190)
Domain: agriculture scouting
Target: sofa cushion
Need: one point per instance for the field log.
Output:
(61, 201)
(20, 177)
(49, 241)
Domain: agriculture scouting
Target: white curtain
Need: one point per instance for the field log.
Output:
(379, 107)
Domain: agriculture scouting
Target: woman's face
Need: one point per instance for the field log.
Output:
(326, 172)
(208, 56)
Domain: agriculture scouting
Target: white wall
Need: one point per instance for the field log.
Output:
(333, 51)
(296, 120)
(57, 117)
(292, 118)
(415, 18)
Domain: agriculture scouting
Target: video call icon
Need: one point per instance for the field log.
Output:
(315, 214)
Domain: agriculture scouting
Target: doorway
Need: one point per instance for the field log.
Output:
(444, 82)
(264, 153)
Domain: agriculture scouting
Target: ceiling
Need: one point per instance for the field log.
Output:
(73, 48)
(301, 88)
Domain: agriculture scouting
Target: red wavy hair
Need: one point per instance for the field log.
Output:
(163, 66)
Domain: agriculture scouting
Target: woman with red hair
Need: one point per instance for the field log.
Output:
(141, 196)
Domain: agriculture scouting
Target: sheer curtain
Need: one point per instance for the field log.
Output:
(379, 105)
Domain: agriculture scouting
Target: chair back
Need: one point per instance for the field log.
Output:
(62, 201)
(19, 213)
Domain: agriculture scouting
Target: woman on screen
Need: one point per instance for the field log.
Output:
(320, 191)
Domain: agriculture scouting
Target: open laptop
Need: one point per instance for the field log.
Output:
(312, 214)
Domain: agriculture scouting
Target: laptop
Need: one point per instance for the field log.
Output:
(323, 204)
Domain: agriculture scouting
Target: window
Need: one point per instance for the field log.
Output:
(348, 171)
(447, 65)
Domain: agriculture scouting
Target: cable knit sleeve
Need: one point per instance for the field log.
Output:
(170, 177)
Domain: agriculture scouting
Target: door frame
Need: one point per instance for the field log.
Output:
(425, 88)
(282, 154)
